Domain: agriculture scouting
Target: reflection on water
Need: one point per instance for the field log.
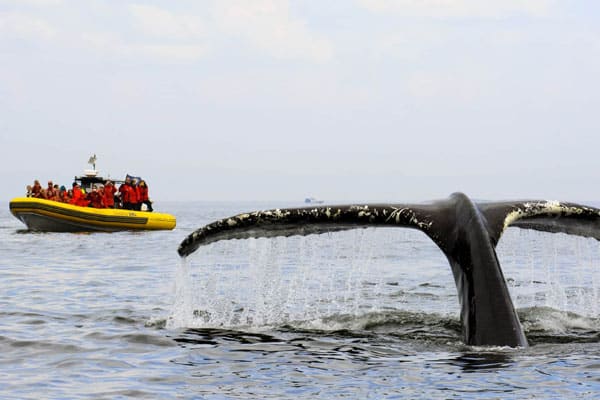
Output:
(482, 361)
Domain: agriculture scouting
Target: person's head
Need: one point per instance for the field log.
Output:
(56, 187)
(63, 188)
(108, 183)
(143, 183)
(50, 184)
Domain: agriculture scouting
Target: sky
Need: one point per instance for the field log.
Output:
(342, 100)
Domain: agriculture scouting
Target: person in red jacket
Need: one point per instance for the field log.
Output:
(78, 198)
(109, 194)
(96, 198)
(143, 192)
(63, 195)
(127, 194)
(135, 195)
(51, 193)
(36, 189)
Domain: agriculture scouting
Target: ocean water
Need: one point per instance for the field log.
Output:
(369, 313)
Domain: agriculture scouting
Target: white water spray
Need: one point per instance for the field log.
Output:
(305, 281)
(555, 271)
(327, 281)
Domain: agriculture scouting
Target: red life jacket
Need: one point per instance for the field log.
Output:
(143, 193)
(96, 200)
(36, 190)
(51, 193)
(134, 195)
(78, 198)
(126, 193)
(109, 195)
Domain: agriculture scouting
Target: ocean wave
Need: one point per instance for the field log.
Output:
(541, 325)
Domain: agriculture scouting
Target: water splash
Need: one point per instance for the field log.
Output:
(298, 280)
(353, 279)
(556, 271)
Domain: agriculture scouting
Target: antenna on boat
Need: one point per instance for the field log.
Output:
(92, 161)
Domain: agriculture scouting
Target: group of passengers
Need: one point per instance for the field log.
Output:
(130, 195)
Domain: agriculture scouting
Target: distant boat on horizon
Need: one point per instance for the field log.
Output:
(312, 200)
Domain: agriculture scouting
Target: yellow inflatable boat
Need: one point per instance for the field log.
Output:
(51, 216)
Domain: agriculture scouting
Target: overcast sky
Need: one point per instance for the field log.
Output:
(344, 100)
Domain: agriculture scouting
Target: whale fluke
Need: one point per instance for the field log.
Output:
(466, 231)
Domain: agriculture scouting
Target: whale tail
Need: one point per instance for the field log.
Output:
(467, 232)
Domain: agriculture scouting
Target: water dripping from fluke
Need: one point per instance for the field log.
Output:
(488, 316)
